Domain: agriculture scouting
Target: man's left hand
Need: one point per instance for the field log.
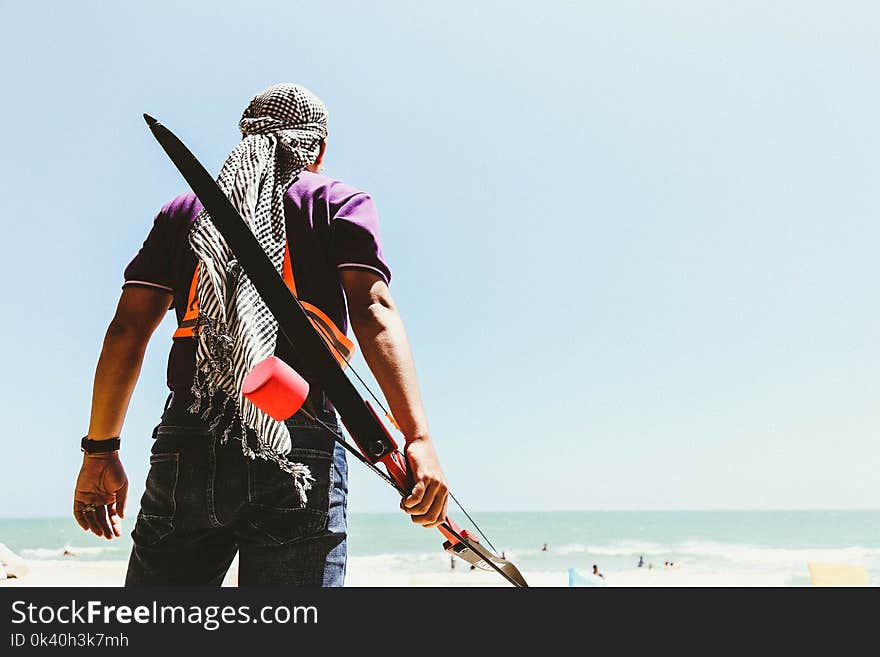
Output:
(427, 503)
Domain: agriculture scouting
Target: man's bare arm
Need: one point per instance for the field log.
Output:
(102, 486)
(383, 341)
(139, 312)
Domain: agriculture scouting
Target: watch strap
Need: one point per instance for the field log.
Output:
(99, 446)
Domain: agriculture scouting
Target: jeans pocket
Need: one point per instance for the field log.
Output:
(275, 506)
(156, 516)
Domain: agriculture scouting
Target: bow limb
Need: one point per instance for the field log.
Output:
(459, 542)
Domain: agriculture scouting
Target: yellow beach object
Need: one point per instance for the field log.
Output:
(837, 574)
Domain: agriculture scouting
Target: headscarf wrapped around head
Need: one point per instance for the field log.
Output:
(282, 130)
(291, 113)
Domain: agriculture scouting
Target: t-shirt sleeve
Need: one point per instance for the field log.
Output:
(355, 241)
(152, 266)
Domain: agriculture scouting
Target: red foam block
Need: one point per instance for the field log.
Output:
(275, 388)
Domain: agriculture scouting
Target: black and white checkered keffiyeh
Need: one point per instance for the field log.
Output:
(282, 130)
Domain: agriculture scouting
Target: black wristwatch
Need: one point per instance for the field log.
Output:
(99, 446)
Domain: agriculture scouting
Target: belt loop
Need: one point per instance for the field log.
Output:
(167, 403)
(164, 410)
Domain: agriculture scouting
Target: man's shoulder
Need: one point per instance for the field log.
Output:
(183, 207)
(317, 185)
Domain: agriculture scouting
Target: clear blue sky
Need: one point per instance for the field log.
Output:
(635, 246)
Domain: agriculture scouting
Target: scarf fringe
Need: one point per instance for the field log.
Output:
(213, 404)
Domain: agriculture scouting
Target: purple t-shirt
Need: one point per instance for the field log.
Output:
(330, 226)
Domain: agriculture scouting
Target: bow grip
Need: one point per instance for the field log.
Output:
(398, 470)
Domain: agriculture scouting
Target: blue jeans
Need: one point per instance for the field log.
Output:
(204, 501)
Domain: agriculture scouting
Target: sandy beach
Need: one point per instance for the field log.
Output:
(362, 572)
(366, 572)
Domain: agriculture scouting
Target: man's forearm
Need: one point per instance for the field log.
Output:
(115, 377)
(382, 338)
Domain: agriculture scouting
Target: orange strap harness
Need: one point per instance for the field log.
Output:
(340, 346)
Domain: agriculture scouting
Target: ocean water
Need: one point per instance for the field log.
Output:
(725, 547)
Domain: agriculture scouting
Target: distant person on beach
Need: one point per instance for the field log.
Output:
(545, 548)
(641, 561)
(451, 563)
(224, 477)
(596, 571)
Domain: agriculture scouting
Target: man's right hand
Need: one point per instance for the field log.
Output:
(99, 498)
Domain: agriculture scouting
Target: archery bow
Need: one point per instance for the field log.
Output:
(280, 391)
